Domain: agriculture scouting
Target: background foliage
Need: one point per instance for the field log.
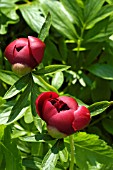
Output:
(78, 61)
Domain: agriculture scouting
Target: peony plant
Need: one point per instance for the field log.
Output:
(25, 54)
(62, 114)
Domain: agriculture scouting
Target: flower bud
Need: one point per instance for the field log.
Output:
(25, 54)
(62, 114)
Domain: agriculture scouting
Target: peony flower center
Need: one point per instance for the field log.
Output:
(19, 48)
(59, 104)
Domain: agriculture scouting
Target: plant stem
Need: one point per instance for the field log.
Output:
(44, 84)
(72, 147)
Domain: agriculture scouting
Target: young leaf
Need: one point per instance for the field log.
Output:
(104, 71)
(91, 150)
(28, 118)
(98, 107)
(17, 86)
(57, 80)
(45, 28)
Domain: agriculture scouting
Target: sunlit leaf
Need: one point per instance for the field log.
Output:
(50, 159)
(17, 86)
(60, 18)
(8, 15)
(98, 107)
(52, 69)
(8, 77)
(93, 150)
(57, 80)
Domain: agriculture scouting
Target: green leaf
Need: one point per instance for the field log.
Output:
(108, 125)
(34, 94)
(11, 153)
(45, 28)
(5, 110)
(105, 11)
(50, 159)
(37, 138)
(98, 87)
(51, 52)
(63, 155)
(109, 1)
(8, 77)
(34, 163)
(18, 133)
(38, 123)
(63, 49)
(32, 15)
(104, 71)
(91, 9)
(23, 147)
(17, 86)
(57, 80)
(60, 18)
(75, 10)
(20, 104)
(52, 69)
(94, 52)
(41, 82)
(98, 107)
(8, 15)
(2, 128)
(98, 33)
(91, 150)
(2, 101)
(28, 118)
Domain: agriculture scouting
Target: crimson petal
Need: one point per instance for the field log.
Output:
(72, 104)
(9, 51)
(37, 48)
(82, 118)
(63, 121)
(41, 99)
(48, 111)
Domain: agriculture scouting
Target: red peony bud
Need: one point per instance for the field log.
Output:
(25, 54)
(62, 114)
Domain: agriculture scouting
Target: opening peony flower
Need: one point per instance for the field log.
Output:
(62, 114)
(25, 54)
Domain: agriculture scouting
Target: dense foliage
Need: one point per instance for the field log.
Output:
(78, 62)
